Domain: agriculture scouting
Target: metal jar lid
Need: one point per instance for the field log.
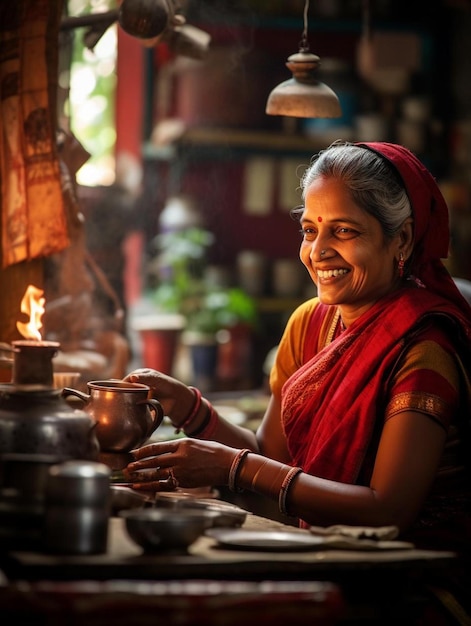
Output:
(79, 483)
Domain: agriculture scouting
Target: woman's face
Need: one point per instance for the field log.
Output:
(359, 265)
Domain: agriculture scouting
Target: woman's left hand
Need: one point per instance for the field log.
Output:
(185, 463)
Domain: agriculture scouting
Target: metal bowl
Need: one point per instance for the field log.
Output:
(227, 515)
(163, 530)
(124, 498)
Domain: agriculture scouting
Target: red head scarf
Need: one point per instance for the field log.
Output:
(431, 226)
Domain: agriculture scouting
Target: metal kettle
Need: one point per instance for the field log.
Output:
(34, 417)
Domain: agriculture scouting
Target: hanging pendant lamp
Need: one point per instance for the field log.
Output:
(303, 95)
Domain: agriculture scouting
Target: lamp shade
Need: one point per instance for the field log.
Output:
(303, 95)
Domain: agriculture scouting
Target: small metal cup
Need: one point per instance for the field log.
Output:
(78, 506)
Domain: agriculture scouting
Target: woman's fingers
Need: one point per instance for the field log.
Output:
(194, 463)
(149, 464)
(154, 450)
(154, 479)
(176, 398)
(153, 464)
(159, 485)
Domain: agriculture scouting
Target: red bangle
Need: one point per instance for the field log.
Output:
(194, 411)
(204, 423)
(210, 425)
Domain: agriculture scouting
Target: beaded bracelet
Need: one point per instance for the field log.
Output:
(194, 411)
(286, 484)
(239, 457)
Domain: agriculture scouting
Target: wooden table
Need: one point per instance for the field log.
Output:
(377, 587)
(125, 559)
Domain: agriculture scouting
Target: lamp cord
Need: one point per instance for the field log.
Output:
(304, 44)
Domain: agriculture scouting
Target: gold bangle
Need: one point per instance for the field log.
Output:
(237, 460)
(286, 484)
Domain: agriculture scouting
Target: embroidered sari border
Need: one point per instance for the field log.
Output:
(431, 405)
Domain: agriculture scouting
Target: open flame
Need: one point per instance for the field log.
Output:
(32, 304)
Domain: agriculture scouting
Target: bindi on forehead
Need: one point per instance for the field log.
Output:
(319, 218)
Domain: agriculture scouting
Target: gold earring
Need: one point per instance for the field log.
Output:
(401, 264)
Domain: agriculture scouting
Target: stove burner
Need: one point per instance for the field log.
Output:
(32, 362)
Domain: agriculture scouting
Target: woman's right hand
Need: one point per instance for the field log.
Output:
(187, 463)
(176, 398)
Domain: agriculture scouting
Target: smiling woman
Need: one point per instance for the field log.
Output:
(344, 250)
(363, 437)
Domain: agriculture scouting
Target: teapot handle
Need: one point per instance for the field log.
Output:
(157, 413)
(67, 391)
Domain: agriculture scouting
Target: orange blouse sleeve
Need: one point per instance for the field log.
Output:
(289, 356)
(427, 381)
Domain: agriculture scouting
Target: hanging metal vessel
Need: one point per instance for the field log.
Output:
(303, 95)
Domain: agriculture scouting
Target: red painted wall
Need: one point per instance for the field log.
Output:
(129, 94)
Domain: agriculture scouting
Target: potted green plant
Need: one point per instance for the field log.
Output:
(207, 309)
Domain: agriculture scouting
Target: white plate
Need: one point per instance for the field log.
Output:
(271, 541)
(285, 541)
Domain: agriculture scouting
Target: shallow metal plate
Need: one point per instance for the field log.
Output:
(272, 541)
(276, 541)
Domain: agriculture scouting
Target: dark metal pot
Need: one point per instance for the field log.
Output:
(34, 417)
(23, 479)
(39, 421)
(38, 429)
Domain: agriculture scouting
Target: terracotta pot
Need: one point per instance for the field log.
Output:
(159, 336)
(159, 348)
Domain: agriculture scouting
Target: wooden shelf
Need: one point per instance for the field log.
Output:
(232, 139)
(250, 139)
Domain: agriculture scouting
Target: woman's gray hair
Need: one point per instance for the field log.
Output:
(372, 182)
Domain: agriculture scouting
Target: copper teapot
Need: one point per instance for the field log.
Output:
(124, 414)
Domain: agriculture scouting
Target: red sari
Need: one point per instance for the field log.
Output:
(334, 405)
(331, 405)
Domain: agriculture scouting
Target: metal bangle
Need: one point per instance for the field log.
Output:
(237, 460)
(285, 486)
